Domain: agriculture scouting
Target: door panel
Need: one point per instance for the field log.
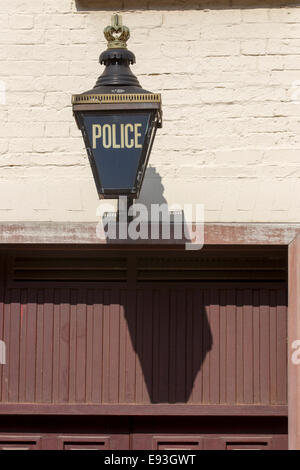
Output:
(20, 442)
(258, 442)
(247, 446)
(95, 442)
(167, 442)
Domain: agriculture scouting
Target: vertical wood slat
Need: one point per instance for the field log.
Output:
(172, 346)
(97, 343)
(72, 346)
(206, 332)
(256, 346)
(106, 339)
(231, 347)
(189, 294)
(132, 360)
(160, 344)
(215, 352)
(81, 345)
(14, 346)
(264, 331)
(39, 346)
(56, 345)
(156, 355)
(180, 347)
(273, 346)
(199, 320)
(114, 326)
(64, 346)
(164, 351)
(31, 326)
(282, 346)
(88, 371)
(248, 345)
(47, 386)
(147, 348)
(239, 346)
(139, 379)
(122, 350)
(223, 344)
(23, 345)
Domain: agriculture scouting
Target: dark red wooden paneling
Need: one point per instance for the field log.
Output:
(160, 432)
(191, 343)
(146, 441)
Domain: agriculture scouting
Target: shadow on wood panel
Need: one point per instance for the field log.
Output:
(171, 336)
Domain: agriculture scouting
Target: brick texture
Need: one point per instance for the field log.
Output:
(230, 81)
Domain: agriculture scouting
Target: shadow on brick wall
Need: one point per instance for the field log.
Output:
(159, 5)
(153, 189)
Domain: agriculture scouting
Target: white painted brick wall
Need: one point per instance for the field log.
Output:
(228, 77)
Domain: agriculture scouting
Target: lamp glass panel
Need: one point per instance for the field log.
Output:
(116, 143)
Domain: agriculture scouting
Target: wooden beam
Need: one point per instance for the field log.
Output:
(143, 410)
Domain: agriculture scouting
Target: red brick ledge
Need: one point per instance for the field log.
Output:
(85, 233)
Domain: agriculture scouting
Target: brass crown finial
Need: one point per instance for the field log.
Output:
(116, 34)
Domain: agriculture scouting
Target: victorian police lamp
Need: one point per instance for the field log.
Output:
(118, 120)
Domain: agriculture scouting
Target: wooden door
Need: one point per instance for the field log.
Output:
(134, 334)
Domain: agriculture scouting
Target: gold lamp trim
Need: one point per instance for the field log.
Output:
(117, 98)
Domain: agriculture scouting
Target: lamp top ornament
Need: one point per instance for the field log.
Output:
(117, 78)
(116, 34)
